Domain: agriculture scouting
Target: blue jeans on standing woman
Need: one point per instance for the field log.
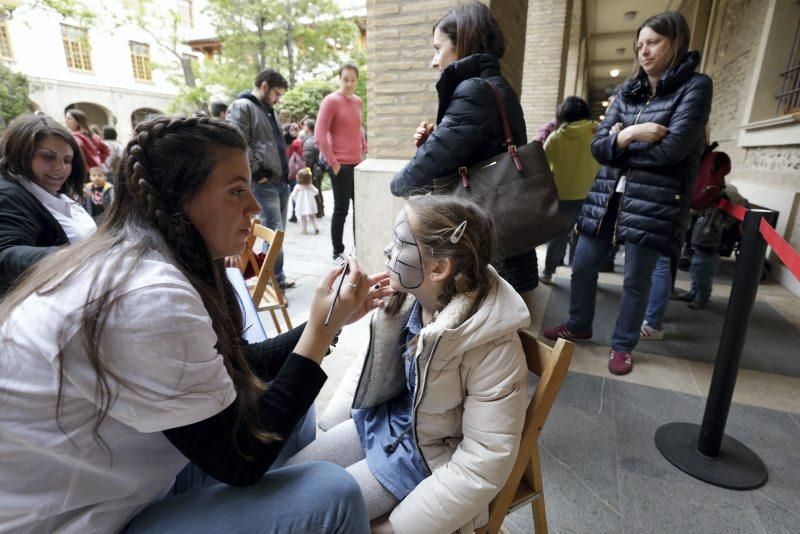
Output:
(274, 200)
(590, 256)
(306, 498)
(556, 247)
(660, 290)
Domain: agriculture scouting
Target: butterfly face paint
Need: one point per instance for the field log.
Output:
(405, 259)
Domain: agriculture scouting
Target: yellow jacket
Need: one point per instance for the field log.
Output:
(569, 151)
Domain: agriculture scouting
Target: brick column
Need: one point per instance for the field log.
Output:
(401, 86)
(546, 47)
(401, 92)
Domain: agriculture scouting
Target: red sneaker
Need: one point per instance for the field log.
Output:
(620, 363)
(561, 331)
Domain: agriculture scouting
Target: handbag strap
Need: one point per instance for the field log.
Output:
(509, 139)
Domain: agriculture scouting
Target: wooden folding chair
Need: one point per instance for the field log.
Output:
(524, 485)
(266, 293)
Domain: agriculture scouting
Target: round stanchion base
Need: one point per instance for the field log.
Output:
(737, 467)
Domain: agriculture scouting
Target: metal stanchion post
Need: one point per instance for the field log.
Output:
(704, 451)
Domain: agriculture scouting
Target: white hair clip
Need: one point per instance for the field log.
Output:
(458, 232)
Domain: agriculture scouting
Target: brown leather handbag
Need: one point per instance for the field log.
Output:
(516, 187)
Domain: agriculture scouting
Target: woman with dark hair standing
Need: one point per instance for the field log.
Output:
(468, 45)
(649, 146)
(122, 360)
(93, 148)
(41, 176)
(569, 152)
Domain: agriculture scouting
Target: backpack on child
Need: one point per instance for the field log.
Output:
(295, 164)
(710, 181)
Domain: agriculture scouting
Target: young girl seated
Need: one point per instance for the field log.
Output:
(439, 407)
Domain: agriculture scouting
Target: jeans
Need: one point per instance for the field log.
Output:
(660, 291)
(590, 256)
(704, 266)
(343, 193)
(313, 497)
(274, 201)
(558, 246)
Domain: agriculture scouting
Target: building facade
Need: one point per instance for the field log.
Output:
(118, 68)
(557, 48)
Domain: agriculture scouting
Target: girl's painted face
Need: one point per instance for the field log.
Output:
(445, 51)
(653, 51)
(404, 258)
(52, 163)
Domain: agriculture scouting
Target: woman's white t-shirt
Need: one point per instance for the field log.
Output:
(160, 342)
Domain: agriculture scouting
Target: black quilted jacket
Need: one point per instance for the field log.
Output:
(469, 130)
(468, 126)
(660, 176)
(28, 232)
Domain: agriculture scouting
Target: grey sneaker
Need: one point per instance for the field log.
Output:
(546, 279)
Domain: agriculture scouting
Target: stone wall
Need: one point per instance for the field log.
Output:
(731, 64)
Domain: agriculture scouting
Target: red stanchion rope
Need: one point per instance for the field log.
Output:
(732, 209)
(789, 256)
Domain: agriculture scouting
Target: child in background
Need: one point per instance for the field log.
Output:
(439, 407)
(304, 200)
(98, 194)
(706, 239)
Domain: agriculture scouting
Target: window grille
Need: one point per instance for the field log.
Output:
(76, 47)
(186, 12)
(5, 41)
(789, 97)
(140, 60)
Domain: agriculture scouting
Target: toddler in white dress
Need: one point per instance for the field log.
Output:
(304, 201)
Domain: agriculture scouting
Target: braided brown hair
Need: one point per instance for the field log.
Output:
(436, 217)
(166, 163)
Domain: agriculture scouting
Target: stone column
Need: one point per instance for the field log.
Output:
(546, 48)
(573, 51)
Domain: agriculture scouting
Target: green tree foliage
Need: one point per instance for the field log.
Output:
(304, 99)
(291, 36)
(13, 94)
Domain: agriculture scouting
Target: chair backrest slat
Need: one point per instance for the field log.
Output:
(275, 240)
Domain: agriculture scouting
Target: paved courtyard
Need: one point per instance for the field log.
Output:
(602, 472)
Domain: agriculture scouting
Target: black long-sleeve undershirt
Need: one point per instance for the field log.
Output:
(295, 383)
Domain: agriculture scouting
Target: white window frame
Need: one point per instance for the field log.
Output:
(762, 127)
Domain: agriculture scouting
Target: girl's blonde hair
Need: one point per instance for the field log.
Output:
(438, 221)
(304, 176)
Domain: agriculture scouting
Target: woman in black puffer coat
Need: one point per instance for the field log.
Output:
(649, 146)
(468, 44)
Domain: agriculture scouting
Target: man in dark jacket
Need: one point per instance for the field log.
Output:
(254, 115)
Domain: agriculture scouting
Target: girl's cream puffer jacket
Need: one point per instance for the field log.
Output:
(469, 406)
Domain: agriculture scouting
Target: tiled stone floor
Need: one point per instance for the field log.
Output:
(602, 472)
